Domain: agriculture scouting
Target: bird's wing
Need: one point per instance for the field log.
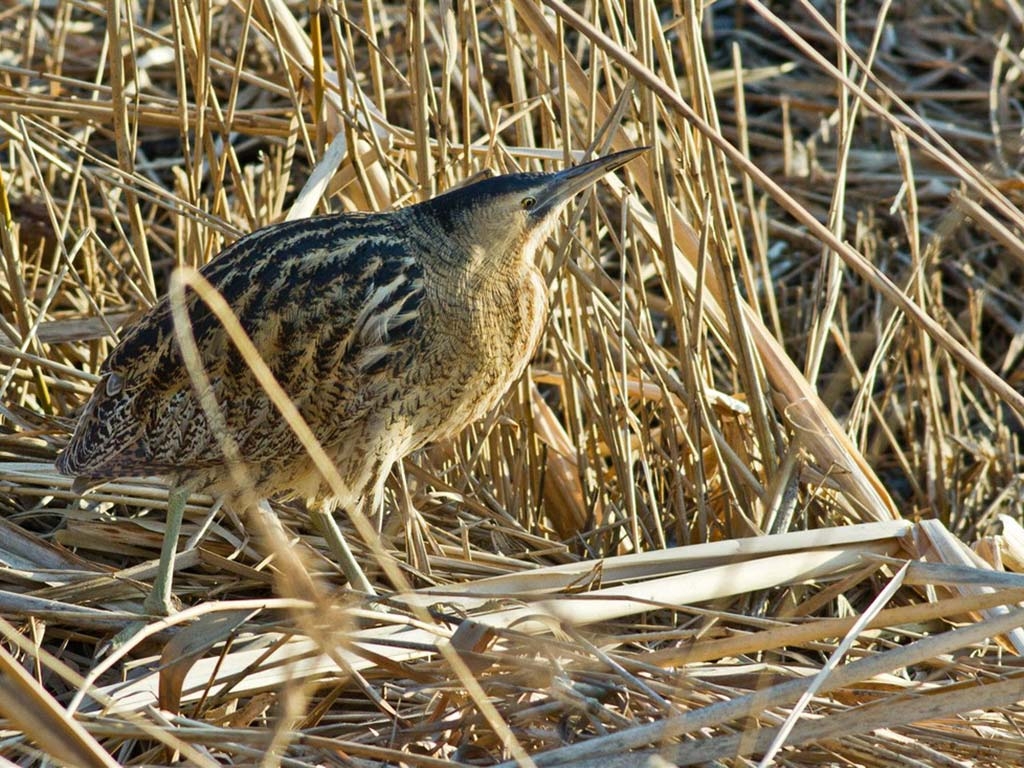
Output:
(323, 301)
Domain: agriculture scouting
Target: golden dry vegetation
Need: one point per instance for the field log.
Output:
(759, 499)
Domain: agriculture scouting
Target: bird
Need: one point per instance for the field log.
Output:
(387, 330)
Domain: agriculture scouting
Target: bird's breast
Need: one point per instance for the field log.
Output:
(511, 326)
(484, 345)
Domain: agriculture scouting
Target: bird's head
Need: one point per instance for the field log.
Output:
(500, 222)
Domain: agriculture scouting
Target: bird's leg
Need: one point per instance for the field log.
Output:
(159, 599)
(341, 551)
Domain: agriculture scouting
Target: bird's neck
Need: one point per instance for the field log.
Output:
(464, 269)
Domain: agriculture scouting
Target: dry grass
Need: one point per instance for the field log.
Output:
(759, 499)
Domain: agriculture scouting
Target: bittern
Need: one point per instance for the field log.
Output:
(387, 331)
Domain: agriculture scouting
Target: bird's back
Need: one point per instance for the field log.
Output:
(307, 293)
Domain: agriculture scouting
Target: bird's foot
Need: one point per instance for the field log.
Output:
(158, 604)
(126, 634)
(154, 606)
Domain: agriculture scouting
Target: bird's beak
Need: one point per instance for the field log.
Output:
(562, 186)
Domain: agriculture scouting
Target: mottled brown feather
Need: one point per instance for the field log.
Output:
(387, 330)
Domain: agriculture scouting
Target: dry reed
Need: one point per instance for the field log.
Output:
(759, 500)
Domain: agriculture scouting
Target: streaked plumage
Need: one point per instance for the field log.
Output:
(387, 330)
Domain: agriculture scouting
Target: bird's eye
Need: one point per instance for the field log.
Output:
(528, 203)
(114, 384)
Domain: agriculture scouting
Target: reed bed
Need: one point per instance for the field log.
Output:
(758, 500)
